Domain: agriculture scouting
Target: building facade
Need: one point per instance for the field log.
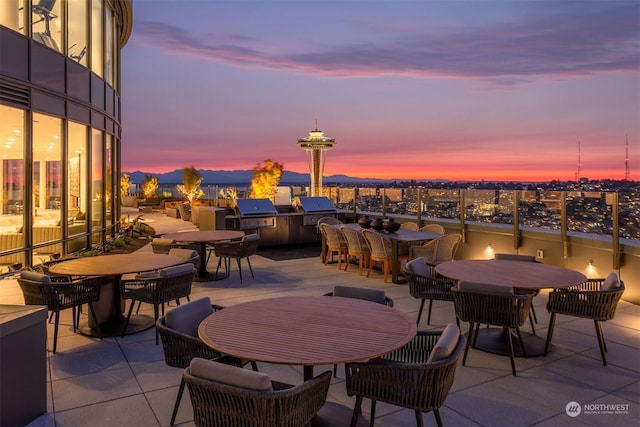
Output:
(60, 125)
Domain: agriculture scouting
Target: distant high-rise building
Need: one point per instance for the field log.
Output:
(315, 145)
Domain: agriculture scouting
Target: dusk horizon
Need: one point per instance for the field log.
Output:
(461, 91)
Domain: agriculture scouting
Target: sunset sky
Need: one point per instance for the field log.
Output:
(462, 90)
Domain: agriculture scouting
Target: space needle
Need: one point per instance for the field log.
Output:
(315, 145)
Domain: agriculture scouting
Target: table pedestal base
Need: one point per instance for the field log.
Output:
(113, 327)
(206, 276)
(494, 340)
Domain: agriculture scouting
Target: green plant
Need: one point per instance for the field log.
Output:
(88, 253)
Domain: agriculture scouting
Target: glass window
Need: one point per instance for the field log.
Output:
(47, 183)
(108, 53)
(46, 25)
(77, 31)
(13, 185)
(97, 41)
(108, 193)
(97, 184)
(77, 178)
(12, 15)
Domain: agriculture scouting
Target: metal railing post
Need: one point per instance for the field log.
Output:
(462, 215)
(516, 219)
(615, 237)
(563, 224)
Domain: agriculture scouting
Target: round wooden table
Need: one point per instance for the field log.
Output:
(109, 307)
(515, 274)
(202, 238)
(308, 331)
(523, 275)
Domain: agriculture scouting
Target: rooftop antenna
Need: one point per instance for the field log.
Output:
(626, 162)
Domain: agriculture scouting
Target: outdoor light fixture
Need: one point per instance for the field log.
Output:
(489, 250)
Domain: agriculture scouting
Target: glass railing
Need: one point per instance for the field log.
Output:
(594, 212)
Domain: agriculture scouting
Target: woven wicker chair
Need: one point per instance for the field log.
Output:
(326, 220)
(406, 377)
(479, 303)
(281, 405)
(439, 250)
(336, 243)
(525, 258)
(187, 255)
(356, 247)
(181, 345)
(381, 251)
(160, 245)
(412, 226)
(433, 228)
(40, 289)
(157, 288)
(590, 300)
(426, 284)
(237, 250)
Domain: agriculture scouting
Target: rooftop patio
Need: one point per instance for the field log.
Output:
(125, 382)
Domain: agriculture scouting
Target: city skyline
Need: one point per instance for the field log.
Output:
(495, 90)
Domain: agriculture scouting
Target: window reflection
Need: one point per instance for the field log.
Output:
(77, 177)
(77, 31)
(97, 185)
(46, 184)
(46, 25)
(12, 15)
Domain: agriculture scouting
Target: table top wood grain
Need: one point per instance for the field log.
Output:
(204, 235)
(315, 330)
(401, 235)
(114, 265)
(517, 274)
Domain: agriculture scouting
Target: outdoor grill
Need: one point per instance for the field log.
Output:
(315, 208)
(256, 213)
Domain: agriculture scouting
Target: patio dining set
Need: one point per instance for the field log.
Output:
(386, 357)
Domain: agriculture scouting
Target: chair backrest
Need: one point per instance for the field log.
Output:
(160, 245)
(186, 318)
(187, 255)
(355, 240)
(433, 228)
(419, 267)
(177, 270)
(39, 289)
(446, 247)
(491, 304)
(515, 257)
(367, 294)
(378, 245)
(409, 226)
(446, 344)
(31, 283)
(216, 402)
(335, 238)
(328, 220)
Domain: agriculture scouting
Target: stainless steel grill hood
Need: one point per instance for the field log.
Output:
(256, 213)
(315, 208)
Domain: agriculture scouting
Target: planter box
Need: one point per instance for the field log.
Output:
(173, 212)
